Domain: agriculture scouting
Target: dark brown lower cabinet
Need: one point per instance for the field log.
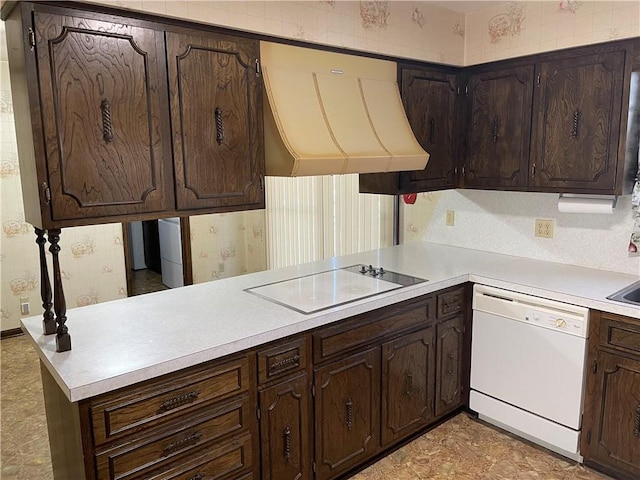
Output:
(449, 364)
(611, 429)
(284, 430)
(408, 381)
(347, 413)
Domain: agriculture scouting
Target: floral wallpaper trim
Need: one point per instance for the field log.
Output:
(458, 30)
(506, 24)
(417, 17)
(374, 14)
(570, 6)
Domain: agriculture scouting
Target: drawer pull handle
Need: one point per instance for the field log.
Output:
(219, 127)
(188, 441)
(197, 476)
(285, 363)
(287, 443)
(494, 130)
(409, 383)
(432, 130)
(179, 401)
(637, 429)
(349, 406)
(107, 128)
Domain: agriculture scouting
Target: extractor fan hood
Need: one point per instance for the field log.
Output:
(329, 113)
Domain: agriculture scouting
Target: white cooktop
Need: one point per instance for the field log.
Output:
(317, 292)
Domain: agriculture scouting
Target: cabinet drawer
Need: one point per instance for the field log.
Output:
(130, 410)
(620, 333)
(450, 302)
(367, 328)
(226, 461)
(283, 359)
(195, 431)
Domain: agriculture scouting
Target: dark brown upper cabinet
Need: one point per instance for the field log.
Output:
(430, 99)
(499, 126)
(95, 117)
(103, 113)
(216, 115)
(576, 126)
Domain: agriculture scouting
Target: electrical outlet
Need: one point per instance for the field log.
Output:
(544, 228)
(24, 306)
(450, 218)
(220, 267)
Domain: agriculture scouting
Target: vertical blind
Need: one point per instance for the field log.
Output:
(313, 218)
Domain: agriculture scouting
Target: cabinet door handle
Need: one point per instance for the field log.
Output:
(409, 383)
(179, 401)
(637, 423)
(107, 128)
(187, 441)
(576, 121)
(432, 130)
(494, 130)
(349, 406)
(219, 127)
(287, 443)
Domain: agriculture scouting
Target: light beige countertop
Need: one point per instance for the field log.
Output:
(119, 343)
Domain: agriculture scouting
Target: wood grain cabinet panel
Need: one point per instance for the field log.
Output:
(499, 127)
(576, 125)
(408, 384)
(123, 413)
(199, 428)
(430, 99)
(610, 439)
(216, 117)
(449, 364)
(285, 430)
(102, 94)
(347, 413)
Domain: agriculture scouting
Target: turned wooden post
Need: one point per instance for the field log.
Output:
(48, 320)
(63, 339)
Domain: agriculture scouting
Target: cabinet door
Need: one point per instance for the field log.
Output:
(284, 429)
(499, 128)
(103, 100)
(614, 431)
(449, 365)
(577, 123)
(408, 374)
(429, 98)
(347, 413)
(216, 118)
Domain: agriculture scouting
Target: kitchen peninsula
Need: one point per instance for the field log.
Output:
(213, 330)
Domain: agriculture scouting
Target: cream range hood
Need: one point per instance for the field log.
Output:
(328, 113)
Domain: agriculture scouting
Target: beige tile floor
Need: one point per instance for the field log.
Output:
(460, 449)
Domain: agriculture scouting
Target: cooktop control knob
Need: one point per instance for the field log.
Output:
(561, 323)
(363, 269)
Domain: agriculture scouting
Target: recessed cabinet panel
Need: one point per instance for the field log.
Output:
(449, 364)
(577, 122)
(408, 378)
(101, 86)
(429, 99)
(284, 430)
(347, 413)
(499, 128)
(615, 438)
(216, 100)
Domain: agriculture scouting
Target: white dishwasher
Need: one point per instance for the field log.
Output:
(527, 366)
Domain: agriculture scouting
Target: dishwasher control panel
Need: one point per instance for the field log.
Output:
(541, 312)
